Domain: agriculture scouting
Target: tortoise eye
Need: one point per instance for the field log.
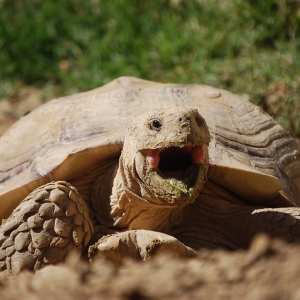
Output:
(156, 125)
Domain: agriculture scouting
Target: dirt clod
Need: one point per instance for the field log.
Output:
(218, 274)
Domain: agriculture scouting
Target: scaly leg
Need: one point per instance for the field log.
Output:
(281, 223)
(48, 224)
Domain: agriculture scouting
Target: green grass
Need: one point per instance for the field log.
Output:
(250, 47)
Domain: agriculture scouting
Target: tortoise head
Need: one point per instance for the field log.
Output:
(168, 150)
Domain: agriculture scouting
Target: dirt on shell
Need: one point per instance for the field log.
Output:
(268, 270)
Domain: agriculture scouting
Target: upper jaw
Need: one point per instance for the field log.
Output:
(176, 162)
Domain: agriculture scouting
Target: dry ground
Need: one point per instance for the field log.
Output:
(269, 270)
(24, 101)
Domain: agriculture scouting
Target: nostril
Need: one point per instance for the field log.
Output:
(184, 120)
(184, 123)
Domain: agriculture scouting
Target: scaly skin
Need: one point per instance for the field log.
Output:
(52, 221)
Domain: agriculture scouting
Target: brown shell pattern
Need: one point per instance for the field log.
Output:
(249, 151)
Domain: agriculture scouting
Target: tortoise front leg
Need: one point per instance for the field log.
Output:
(138, 245)
(281, 223)
(48, 224)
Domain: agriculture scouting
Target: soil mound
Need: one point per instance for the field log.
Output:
(270, 269)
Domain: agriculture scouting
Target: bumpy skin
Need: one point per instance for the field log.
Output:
(44, 228)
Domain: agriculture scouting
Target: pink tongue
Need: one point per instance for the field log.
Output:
(153, 158)
(198, 154)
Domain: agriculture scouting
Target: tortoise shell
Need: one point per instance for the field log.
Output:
(250, 153)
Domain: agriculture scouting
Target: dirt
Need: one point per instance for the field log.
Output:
(22, 102)
(270, 269)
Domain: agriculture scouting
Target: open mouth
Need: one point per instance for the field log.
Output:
(176, 162)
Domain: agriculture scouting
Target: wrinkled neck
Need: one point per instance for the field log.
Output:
(133, 206)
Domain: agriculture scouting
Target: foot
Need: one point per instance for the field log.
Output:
(138, 245)
(44, 228)
(281, 223)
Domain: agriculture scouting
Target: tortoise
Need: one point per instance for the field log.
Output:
(136, 168)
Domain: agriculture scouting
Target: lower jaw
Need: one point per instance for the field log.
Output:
(173, 191)
(184, 185)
